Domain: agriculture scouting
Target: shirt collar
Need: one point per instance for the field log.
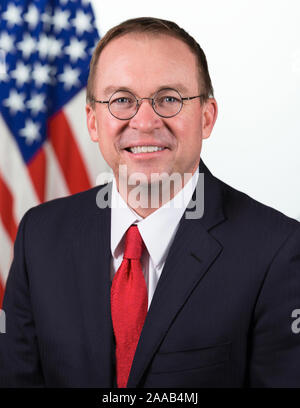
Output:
(162, 223)
(122, 216)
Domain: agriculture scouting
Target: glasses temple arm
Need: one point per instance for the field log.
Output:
(95, 100)
(192, 97)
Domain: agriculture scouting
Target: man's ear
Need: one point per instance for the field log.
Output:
(209, 117)
(91, 122)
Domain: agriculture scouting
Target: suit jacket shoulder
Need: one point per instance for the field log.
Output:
(253, 220)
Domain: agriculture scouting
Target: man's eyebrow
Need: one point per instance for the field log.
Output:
(109, 90)
(179, 87)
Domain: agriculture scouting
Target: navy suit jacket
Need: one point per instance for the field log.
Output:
(221, 315)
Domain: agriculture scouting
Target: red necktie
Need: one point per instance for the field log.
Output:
(129, 304)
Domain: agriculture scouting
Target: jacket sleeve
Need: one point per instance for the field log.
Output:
(274, 349)
(19, 355)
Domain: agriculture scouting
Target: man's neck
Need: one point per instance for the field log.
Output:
(144, 199)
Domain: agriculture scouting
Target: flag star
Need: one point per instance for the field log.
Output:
(12, 15)
(41, 74)
(43, 45)
(27, 46)
(49, 46)
(15, 102)
(55, 47)
(21, 74)
(32, 16)
(6, 42)
(36, 103)
(82, 22)
(69, 77)
(76, 49)
(60, 20)
(30, 131)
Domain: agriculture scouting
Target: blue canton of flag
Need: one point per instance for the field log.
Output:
(45, 48)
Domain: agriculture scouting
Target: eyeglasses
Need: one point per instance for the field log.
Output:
(166, 103)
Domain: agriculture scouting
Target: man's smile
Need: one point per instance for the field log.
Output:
(143, 151)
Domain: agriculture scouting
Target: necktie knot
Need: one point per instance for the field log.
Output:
(133, 243)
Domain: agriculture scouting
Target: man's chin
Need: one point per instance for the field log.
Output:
(146, 179)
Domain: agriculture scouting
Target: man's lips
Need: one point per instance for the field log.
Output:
(140, 147)
(145, 144)
(149, 154)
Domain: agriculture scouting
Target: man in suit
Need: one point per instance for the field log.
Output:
(218, 294)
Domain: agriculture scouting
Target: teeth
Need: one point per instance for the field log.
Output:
(145, 149)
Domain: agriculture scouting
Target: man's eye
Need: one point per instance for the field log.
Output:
(170, 99)
(122, 100)
(167, 99)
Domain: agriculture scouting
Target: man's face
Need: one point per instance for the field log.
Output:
(143, 64)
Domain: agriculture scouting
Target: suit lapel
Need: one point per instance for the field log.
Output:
(193, 251)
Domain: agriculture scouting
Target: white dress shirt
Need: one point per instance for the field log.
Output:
(157, 231)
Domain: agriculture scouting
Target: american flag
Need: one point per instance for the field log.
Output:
(45, 151)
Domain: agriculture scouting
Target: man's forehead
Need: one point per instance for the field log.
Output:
(135, 59)
(128, 47)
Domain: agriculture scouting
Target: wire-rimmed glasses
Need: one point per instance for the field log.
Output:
(166, 103)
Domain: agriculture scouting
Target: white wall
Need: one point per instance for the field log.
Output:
(253, 53)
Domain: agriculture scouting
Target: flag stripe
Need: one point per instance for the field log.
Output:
(15, 174)
(94, 161)
(67, 153)
(1, 292)
(37, 171)
(6, 210)
(55, 183)
(6, 253)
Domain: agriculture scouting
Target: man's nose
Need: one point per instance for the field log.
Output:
(145, 119)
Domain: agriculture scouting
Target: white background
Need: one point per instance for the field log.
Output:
(253, 53)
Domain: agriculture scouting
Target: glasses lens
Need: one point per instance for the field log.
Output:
(167, 102)
(122, 104)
